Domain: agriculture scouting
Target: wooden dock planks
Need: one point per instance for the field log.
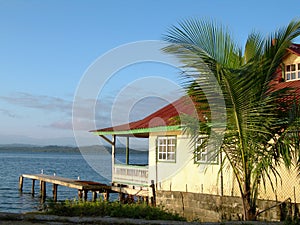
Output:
(82, 186)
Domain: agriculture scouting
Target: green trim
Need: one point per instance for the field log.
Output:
(139, 131)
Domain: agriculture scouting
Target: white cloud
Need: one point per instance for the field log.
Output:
(43, 102)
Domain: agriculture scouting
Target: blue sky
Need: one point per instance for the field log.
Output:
(47, 46)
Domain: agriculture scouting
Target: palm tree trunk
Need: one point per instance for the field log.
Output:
(249, 206)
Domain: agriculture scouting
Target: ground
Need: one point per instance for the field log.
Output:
(40, 219)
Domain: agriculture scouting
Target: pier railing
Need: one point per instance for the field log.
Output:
(130, 174)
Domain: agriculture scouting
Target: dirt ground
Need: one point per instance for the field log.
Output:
(40, 219)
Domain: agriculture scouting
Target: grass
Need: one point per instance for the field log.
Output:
(111, 209)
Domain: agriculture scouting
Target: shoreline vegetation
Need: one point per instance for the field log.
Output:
(103, 208)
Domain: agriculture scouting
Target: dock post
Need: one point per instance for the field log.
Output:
(32, 187)
(41, 188)
(54, 191)
(140, 199)
(43, 191)
(94, 198)
(106, 195)
(85, 193)
(121, 197)
(79, 194)
(146, 200)
(153, 198)
(21, 183)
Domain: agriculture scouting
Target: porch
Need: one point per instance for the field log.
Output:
(134, 175)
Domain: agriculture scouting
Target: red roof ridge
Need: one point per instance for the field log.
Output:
(159, 118)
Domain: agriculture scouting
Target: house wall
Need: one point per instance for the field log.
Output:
(286, 187)
(187, 176)
(291, 59)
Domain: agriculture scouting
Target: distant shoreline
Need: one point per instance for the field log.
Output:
(63, 149)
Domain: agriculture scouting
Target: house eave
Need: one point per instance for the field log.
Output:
(142, 132)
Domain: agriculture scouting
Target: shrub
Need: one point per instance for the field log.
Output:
(112, 209)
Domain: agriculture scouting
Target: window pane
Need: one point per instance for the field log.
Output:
(288, 68)
(288, 76)
(171, 148)
(201, 152)
(160, 141)
(293, 67)
(299, 74)
(165, 141)
(171, 156)
(160, 156)
(203, 158)
(166, 148)
(293, 76)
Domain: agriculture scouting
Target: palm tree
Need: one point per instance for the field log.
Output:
(255, 139)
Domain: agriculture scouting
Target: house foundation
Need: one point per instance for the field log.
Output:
(215, 208)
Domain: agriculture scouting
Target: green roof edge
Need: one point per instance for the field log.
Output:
(139, 131)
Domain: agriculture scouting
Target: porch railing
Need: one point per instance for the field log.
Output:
(130, 174)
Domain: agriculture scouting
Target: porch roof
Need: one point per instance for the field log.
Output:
(165, 119)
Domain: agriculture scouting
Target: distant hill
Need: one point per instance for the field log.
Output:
(65, 149)
(36, 148)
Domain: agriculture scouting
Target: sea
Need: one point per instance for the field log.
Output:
(94, 166)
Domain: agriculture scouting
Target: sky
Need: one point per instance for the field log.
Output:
(48, 49)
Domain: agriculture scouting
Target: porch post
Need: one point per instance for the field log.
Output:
(127, 150)
(221, 174)
(113, 146)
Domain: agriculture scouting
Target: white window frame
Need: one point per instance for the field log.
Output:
(166, 148)
(292, 72)
(202, 155)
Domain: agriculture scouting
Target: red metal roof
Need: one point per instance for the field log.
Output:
(163, 117)
(292, 94)
(295, 49)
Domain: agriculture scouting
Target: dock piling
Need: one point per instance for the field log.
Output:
(121, 197)
(32, 187)
(21, 183)
(106, 195)
(85, 194)
(79, 194)
(54, 191)
(43, 191)
(153, 198)
(94, 196)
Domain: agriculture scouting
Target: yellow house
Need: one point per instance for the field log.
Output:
(173, 164)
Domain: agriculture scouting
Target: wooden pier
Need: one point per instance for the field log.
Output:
(82, 186)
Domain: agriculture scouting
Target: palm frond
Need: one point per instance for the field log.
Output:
(259, 136)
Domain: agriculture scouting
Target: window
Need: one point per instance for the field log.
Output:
(202, 154)
(292, 72)
(166, 148)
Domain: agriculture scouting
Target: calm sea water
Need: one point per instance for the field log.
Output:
(70, 165)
